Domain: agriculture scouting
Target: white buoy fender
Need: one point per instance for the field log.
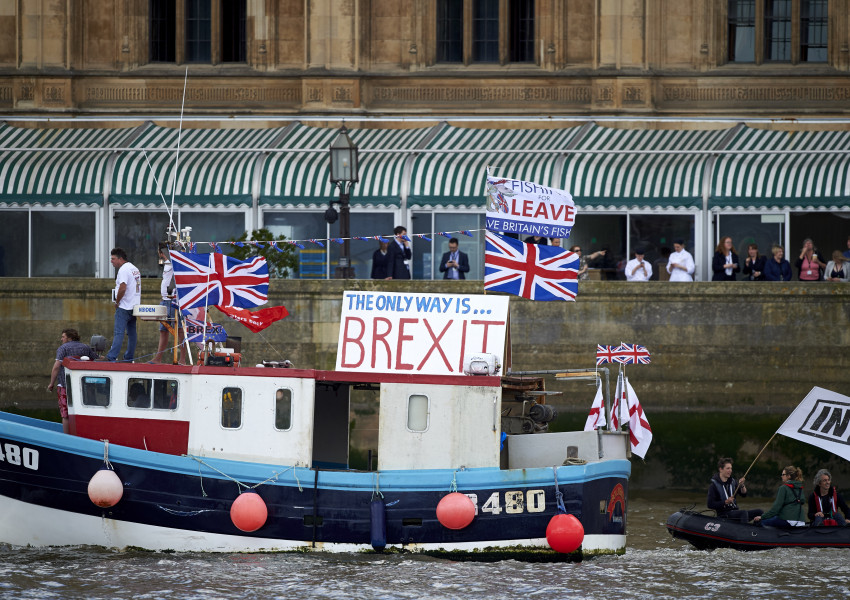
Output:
(455, 511)
(249, 512)
(564, 533)
(105, 488)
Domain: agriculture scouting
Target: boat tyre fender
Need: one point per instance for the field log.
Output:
(378, 512)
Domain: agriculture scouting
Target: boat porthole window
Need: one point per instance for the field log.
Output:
(231, 408)
(165, 394)
(138, 393)
(283, 409)
(96, 391)
(417, 412)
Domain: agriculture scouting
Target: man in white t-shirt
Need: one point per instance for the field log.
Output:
(638, 269)
(680, 265)
(128, 293)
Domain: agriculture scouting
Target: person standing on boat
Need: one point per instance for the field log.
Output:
(825, 502)
(128, 293)
(167, 290)
(787, 510)
(722, 492)
(71, 347)
(400, 255)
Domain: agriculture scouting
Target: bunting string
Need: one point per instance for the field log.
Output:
(320, 242)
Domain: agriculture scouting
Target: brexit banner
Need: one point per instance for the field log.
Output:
(423, 334)
(526, 208)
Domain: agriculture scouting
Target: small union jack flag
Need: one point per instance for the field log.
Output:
(220, 280)
(632, 354)
(529, 270)
(422, 236)
(318, 243)
(215, 247)
(606, 354)
(465, 232)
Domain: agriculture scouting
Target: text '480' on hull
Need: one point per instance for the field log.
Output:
(232, 458)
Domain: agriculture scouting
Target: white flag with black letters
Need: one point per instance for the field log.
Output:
(823, 420)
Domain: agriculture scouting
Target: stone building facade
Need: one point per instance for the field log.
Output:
(665, 118)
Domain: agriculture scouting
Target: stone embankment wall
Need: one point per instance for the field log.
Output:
(715, 346)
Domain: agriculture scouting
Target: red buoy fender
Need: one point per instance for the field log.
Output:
(249, 512)
(105, 488)
(564, 533)
(455, 511)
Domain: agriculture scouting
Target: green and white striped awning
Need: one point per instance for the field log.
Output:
(301, 176)
(76, 177)
(454, 172)
(202, 178)
(614, 176)
(815, 178)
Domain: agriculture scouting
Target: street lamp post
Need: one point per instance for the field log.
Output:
(344, 175)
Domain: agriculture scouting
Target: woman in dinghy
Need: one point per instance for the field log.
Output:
(787, 510)
(825, 502)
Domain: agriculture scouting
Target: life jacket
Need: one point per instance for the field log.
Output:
(829, 510)
(798, 495)
(726, 492)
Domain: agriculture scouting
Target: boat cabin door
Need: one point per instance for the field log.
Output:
(330, 425)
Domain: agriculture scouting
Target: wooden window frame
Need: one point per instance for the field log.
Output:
(216, 24)
(760, 50)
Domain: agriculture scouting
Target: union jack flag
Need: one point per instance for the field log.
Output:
(529, 270)
(632, 354)
(606, 354)
(219, 280)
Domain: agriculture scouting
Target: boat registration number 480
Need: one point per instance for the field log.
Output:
(515, 502)
(15, 455)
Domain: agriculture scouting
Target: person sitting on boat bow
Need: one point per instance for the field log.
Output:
(722, 492)
(787, 510)
(825, 502)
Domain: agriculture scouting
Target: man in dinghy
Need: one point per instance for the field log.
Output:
(825, 502)
(722, 493)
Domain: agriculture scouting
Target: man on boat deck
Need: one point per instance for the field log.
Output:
(722, 492)
(128, 293)
(71, 346)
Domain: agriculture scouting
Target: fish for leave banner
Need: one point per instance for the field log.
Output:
(526, 208)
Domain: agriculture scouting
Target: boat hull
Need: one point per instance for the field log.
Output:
(708, 532)
(183, 503)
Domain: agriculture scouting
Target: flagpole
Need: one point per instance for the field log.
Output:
(752, 464)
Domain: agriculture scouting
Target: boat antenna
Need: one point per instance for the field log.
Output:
(753, 463)
(179, 132)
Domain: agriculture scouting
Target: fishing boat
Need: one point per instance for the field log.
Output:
(222, 456)
(708, 532)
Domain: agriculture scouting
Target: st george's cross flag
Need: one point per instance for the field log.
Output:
(606, 354)
(640, 433)
(596, 418)
(219, 280)
(529, 270)
(632, 354)
(620, 405)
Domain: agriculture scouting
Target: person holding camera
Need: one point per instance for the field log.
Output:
(638, 269)
(454, 263)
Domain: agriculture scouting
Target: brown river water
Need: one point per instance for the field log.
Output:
(655, 566)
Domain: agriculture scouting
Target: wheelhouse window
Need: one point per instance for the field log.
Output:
(231, 408)
(283, 409)
(197, 31)
(96, 391)
(161, 394)
(417, 413)
(484, 31)
(777, 31)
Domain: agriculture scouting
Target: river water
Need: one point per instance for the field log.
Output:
(655, 566)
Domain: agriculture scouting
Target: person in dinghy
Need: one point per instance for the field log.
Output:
(825, 502)
(722, 492)
(787, 510)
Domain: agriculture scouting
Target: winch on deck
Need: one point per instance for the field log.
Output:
(524, 408)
